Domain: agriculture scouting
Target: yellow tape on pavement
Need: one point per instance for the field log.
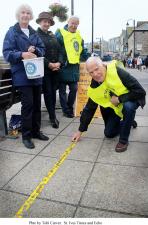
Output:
(45, 180)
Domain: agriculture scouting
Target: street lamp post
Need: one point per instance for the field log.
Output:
(134, 38)
(100, 45)
(92, 46)
(127, 24)
(72, 7)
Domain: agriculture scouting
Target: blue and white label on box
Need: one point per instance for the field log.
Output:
(30, 68)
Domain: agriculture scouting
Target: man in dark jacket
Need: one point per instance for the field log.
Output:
(72, 48)
(119, 95)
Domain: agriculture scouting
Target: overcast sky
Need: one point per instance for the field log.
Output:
(110, 16)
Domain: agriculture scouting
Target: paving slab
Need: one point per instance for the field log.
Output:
(142, 121)
(94, 130)
(47, 129)
(94, 213)
(65, 185)
(118, 188)
(69, 182)
(10, 203)
(86, 150)
(27, 180)
(57, 147)
(49, 209)
(59, 116)
(139, 135)
(142, 112)
(16, 145)
(136, 154)
(10, 164)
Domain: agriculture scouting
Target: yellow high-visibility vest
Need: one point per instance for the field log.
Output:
(73, 45)
(111, 84)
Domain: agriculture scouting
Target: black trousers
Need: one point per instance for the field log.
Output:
(50, 85)
(67, 102)
(30, 110)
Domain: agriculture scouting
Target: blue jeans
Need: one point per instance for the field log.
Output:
(67, 101)
(113, 123)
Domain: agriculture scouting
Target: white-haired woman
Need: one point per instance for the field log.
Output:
(22, 42)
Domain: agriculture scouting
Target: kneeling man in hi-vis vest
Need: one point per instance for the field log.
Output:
(118, 94)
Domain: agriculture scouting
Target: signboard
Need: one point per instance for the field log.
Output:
(139, 47)
(81, 98)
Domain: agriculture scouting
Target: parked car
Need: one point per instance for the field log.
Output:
(107, 58)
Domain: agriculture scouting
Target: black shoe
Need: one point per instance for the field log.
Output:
(28, 143)
(134, 124)
(54, 123)
(40, 136)
(68, 115)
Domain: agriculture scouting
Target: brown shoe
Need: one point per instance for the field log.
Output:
(121, 147)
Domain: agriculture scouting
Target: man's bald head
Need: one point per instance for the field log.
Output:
(73, 18)
(93, 60)
(73, 23)
(96, 68)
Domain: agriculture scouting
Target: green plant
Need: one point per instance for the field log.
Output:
(59, 10)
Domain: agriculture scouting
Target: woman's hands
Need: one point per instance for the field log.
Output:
(54, 66)
(30, 54)
(31, 49)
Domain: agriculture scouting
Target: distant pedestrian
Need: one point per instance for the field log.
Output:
(129, 62)
(133, 63)
(146, 62)
(139, 63)
(124, 62)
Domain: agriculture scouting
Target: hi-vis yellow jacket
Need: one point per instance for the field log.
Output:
(111, 84)
(73, 45)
